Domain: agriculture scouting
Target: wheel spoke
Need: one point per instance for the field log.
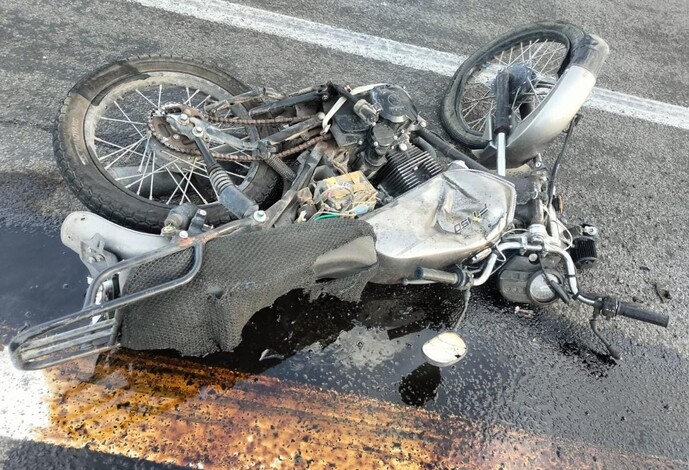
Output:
(516, 96)
(532, 60)
(476, 121)
(150, 186)
(175, 191)
(198, 165)
(141, 181)
(131, 148)
(127, 118)
(468, 111)
(487, 96)
(122, 120)
(115, 145)
(520, 57)
(188, 184)
(241, 164)
(538, 100)
(121, 149)
(145, 152)
(144, 97)
(142, 176)
(188, 101)
(554, 54)
(201, 103)
(499, 59)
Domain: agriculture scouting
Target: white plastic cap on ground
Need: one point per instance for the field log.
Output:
(445, 349)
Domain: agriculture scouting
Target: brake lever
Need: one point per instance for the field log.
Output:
(593, 322)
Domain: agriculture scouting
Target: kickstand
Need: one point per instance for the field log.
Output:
(612, 350)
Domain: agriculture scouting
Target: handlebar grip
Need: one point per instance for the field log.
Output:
(502, 103)
(631, 310)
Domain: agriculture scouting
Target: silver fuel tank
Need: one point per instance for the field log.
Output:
(444, 221)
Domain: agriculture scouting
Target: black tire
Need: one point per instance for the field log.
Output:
(453, 122)
(88, 180)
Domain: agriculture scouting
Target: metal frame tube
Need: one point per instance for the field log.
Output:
(502, 164)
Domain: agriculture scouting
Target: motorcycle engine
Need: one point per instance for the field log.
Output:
(383, 152)
(405, 170)
(523, 280)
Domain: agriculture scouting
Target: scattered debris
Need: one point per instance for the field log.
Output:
(662, 293)
(523, 312)
(270, 354)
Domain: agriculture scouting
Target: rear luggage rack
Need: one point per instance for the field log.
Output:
(95, 328)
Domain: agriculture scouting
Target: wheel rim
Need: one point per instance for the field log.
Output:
(476, 102)
(122, 146)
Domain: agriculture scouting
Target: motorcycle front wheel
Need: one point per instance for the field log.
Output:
(544, 48)
(111, 155)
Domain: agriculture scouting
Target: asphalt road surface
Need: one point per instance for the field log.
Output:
(535, 389)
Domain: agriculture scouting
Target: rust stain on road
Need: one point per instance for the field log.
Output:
(176, 411)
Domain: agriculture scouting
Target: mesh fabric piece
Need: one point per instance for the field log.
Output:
(240, 275)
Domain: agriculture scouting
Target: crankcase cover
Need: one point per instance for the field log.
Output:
(440, 223)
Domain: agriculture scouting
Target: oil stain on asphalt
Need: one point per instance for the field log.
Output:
(175, 411)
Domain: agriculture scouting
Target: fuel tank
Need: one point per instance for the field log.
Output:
(444, 221)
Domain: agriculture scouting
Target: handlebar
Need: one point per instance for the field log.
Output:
(502, 103)
(635, 312)
(611, 307)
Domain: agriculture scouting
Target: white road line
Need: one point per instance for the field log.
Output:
(23, 406)
(408, 55)
(372, 47)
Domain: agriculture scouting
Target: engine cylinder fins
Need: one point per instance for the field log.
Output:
(583, 251)
(407, 169)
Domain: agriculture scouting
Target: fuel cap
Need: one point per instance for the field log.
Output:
(445, 349)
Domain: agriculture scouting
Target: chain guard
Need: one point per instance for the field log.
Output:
(160, 129)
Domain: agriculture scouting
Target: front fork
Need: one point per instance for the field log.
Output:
(542, 239)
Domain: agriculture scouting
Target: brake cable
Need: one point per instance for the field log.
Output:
(558, 160)
(558, 289)
(467, 297)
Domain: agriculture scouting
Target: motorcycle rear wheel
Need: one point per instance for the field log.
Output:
(546, 47)
(109, 158)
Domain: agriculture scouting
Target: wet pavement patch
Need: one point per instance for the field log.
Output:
(335, 382)
(33, 454)
(41, 279)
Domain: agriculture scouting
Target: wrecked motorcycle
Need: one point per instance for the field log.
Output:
(211, 199)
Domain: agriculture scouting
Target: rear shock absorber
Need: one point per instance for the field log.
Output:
(229, 195)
